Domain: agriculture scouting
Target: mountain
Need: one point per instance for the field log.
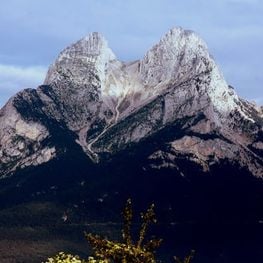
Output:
(176, 94)
(166, 128)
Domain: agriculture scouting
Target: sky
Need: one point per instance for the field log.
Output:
(33, 32)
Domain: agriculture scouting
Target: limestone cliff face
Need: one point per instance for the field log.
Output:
(107, 106)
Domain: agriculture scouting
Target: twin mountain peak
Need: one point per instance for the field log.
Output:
(174, 98)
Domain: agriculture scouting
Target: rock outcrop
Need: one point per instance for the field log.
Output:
(174, 97)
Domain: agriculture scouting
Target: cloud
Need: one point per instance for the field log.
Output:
(15, 78)
(34, 32)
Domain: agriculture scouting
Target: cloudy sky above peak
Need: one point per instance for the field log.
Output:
(34, 32)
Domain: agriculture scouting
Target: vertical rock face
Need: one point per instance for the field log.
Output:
(21, 141)
(174, 97)
(76, 80)
(89, 55)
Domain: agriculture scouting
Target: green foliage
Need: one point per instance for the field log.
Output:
(187, 259)
(129, 251)
(127, 219)
(61, 257)
(92, 260)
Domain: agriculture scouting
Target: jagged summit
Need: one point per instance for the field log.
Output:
(90, 51)
(180, 55)
(108, 106)
(177, 50)
(92, 45)
(96, 44)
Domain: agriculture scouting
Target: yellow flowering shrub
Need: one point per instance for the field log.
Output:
(62, 257)
(128, 251)
(93, 260)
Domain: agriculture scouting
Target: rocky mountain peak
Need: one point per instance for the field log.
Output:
(108, 105)
(177, 52)
(92, 45)
(181, 40)
(95, 43)
(179, 56)
(182, 55)
(90, 52)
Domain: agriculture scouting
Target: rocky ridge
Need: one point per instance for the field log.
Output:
(107, 106)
